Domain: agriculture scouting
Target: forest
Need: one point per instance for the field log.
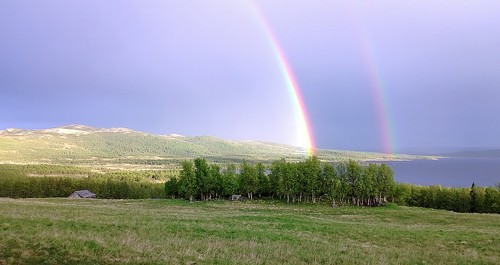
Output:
(42, 181)
(306, 181)
(311, 181)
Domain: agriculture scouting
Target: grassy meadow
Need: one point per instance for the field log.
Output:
(62, 231)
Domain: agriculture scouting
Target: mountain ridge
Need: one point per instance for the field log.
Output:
(80, 144)
(66, 129)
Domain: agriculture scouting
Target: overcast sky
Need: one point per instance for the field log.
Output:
(430, 69)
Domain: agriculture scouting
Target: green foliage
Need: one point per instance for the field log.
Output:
(331, 183)
(216, 182)
(473, 198)
(202, 175)
(306, 181)
(487, 200)
(172, 188)
(28, 181)
(188, 185)
(345, 183)
(263, 180)
(105, 188)
(491, 200)
(276, 177)
(13, 170)
(248, 179)
(230, 184)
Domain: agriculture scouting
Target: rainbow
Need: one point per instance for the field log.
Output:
(380, 102)
(376, 86)
(306, 139)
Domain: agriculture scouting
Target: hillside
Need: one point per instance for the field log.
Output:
(78, 144)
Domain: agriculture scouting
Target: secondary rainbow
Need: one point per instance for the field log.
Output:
(380, 102)
(306, 139)
(375, 81)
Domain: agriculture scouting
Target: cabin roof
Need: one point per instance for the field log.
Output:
(84, 193)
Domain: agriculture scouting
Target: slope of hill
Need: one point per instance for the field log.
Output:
(78, 144)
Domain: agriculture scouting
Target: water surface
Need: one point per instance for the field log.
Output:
(451, 172)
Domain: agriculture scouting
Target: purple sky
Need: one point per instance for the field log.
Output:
(206, 68)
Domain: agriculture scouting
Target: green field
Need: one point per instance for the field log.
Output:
(62, 231)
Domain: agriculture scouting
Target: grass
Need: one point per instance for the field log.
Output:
(61, 231)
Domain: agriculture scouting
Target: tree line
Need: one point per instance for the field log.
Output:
(307, 181)
(41, 169)
(474, 199)
(45, 187)
(345, 183)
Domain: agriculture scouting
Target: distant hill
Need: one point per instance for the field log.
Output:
(452, 151)
(477, 153)
(79, 144)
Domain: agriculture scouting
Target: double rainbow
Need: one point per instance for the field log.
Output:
(301, 115)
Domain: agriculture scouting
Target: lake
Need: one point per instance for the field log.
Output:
(450, 172)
